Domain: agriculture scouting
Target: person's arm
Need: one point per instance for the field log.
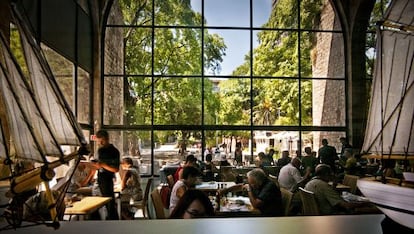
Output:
(125, 179)
(234, 188)
(105, 166)
(256, 202)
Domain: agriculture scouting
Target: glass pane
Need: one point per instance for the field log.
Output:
(322, 55)
(234, 96)
(113, 110)
(133, 12)
(138, 51)
(177, 101)
(62, 69)
(83, 96)
(320, 12)
(306, 102)
(177, 51)
(276, 55)
(275, 102)
(227, 13)
(328, 102)
(332, 137)
(138, 103)
(114, 53)
(278, 140)
(284, 15)
(211, 100)
(225, 145)
(261, 12)
(177, 13)
(235, 58)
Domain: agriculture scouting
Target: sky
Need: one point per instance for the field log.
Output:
(234, 13)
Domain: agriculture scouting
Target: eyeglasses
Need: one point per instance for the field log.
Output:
(195, 213)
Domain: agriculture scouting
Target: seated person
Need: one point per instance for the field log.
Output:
(263, 193)
(309, 160)
(81, 180)
(284, 160)
(290, 177)
(193, 204)
(208, 169)
(188, 180)
(328, 199)
(190, 160)
(263, 160)
(130, 187)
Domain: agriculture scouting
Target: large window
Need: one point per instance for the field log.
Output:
(200, 74)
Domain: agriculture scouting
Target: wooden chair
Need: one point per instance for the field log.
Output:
(351, 181)
(143, 204)
(157, 203)
(309, 205)
(286, 200)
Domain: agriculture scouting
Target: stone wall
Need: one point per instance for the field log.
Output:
(328, 96)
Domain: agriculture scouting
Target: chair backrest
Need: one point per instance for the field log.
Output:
(351, 181)
(286, 200)
(157, 203)
(146, 195)
(274, 179)
(309, 205)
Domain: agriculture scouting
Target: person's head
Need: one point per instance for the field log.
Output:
(209, 157)
(324, 142)
(190, 160)
(127, 163)
(342, 140)
(308, 150)
(296, 162)
(323, 171)
(256, 178)
(348, 152)
(190, 175)
(271, 152)
(261, 155)
(193, 204)
(102, 137)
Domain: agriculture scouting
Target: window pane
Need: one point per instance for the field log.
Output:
(227, 13)
(177, 51)
(237, 43)
(62, 69)
(318, 15)
(177, 101)
(328, 102)
(134, 12)
(276, 55)
(234, 95)
(284, 15)
(278, 140)
(83, 96)
(138, 51)
(113, 102)
(261, 12)
(275, 102)
(114, 59)
(332, 137)
(322, 55)
(223, 144)
(138, 103)
(176, 13)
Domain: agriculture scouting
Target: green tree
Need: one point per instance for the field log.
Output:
(160, 68)
(276, 101)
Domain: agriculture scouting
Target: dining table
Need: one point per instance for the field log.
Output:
(213, 186)
(236, 206)
(86, 206)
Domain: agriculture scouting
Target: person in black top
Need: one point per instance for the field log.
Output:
(263, 193)
(107, 164)
(327, 154)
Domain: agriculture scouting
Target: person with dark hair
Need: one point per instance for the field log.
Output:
(327, 154)
(208, 168)
(263, 193)
(284, 160)
(188, 180)
(107, 165)
(190, 160)
(193, 204)
(328, 199)
(345, 145)
(130, 187)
